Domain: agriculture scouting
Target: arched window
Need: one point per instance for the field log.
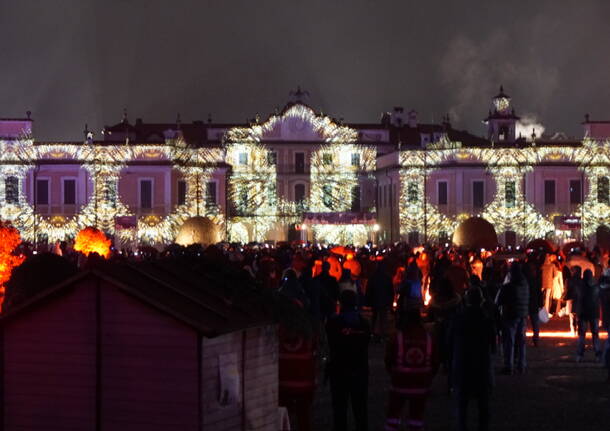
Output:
(603, 188)
(299, 193)
(11, 190)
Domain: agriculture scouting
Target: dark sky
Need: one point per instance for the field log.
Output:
(72, 62)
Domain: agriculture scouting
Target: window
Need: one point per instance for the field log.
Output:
(355, 159)
(210, 193)
(181, 192)
(69, 192)
(243, 158)
(603, 190)
(299, 163)
(575, 192)
(509, 194)
(272, 194)
(503, 134)
(355, 199)
(478, 194)
(327, 159)
(327, 196)
(442, 192)
(110, 192)
(243, 200)
(42, 192)
(549, 192)
(412, 191)
(272, 158)
(11, 190)
(299, 193)
(146, 194)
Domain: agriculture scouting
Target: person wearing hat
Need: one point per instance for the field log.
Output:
(412, 362)
(348, 366)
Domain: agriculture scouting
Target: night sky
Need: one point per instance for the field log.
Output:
(83, 61)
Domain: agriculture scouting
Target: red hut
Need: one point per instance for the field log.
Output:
(146, 347)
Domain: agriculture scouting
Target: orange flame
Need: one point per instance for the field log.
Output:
(9, 240)
(92, 240)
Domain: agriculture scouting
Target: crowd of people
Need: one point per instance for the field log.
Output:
(434, 308)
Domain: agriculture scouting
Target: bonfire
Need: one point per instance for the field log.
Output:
(9, 241)
(91, 240)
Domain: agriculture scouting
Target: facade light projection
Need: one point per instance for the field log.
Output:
(508, 210)
(103, 164)
(342, 166)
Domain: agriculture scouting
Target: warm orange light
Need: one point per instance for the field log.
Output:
(9, 240)
(561, 334)
(92, 240)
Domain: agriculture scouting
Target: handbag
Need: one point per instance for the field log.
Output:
(543, 315)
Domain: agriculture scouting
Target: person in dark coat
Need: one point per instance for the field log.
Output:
(348, 366)
(329, 291)
(380, 293)
(513, 299)
(587, 313)
(533, 277)
(443, 307)
(604, 299)
(472, 338)
(292, 288)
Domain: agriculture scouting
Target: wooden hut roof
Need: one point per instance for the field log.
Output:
(209, 303)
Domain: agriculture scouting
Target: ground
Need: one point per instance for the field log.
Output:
(555, 394)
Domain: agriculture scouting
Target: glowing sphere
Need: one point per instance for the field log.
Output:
(198, 230)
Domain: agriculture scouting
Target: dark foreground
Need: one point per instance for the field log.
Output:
(556, 393)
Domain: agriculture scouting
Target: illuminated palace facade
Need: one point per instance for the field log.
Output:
(301, 175)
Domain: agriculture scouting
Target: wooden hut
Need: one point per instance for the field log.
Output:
(139, 347)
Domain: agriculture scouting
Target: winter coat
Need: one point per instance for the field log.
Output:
(514, 298)
(586, 305)
(604, 299)
(472, 341)
(380, 292)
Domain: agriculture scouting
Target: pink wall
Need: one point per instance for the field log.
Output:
(150, 368)
(49, 368)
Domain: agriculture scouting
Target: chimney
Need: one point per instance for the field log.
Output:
(412, 121)
(398, 116)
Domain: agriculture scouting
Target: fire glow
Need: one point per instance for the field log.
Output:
(562, 334)
(92, 240)
(9, 240)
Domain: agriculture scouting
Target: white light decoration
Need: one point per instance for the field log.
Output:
(336, 167)
(104, 163)
(507, 165)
